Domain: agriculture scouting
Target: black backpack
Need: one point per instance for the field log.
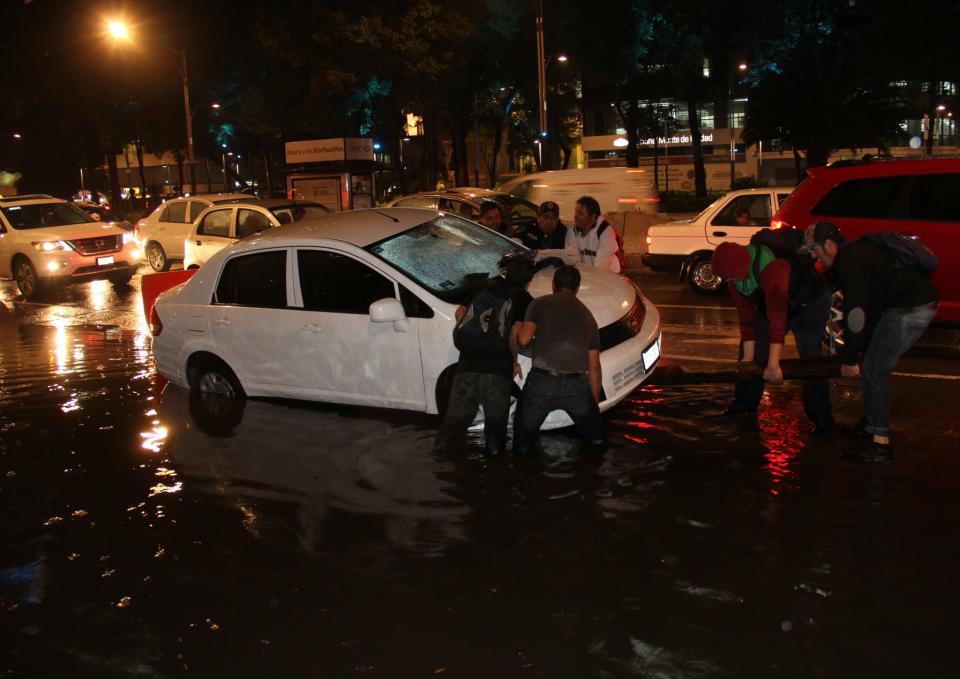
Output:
(907, 250)
(485, 327)
(806, 283)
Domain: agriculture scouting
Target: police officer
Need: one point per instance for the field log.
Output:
(549, 233)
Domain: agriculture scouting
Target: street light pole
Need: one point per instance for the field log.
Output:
(541, 82)
(188, 117)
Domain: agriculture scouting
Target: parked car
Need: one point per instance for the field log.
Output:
(466, 202)
(161, 233)
(617, 189)
(103, 214)
(685, 246)
(917, 196)
(45, 241)
(219, 225)
(358, 308)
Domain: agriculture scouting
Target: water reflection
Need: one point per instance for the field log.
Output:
(326, 463)
(782, 422)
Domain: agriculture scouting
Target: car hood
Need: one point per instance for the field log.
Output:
(73, 232)
(609, 296)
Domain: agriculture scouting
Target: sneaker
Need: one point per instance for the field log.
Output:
(875, 453)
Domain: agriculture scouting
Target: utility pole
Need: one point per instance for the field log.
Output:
(542, 85)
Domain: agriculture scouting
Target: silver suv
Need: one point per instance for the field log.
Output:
(46, 241)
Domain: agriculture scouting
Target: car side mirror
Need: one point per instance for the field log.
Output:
(390, 310)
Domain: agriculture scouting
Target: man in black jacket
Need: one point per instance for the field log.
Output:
(886, 308)
(549, 233)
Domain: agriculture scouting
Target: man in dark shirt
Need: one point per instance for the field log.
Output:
(566, 372)
(486, 377)
(549, 233)
(768, 306)
(886, 308)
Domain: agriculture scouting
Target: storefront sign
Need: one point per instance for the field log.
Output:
(328, 150)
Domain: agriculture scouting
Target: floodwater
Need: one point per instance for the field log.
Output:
(148, 533)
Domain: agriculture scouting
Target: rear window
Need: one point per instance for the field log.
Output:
(869, 198)
(933, 197)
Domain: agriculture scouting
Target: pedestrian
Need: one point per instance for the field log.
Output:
(549, 233)
(593, 240)
(775, 295)
(486, 334)
(491, 216)
(886, 308)
(566, 373)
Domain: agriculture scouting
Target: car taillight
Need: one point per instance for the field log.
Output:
(779, 224)
(156, 327)
(136, 230)
(649, 240)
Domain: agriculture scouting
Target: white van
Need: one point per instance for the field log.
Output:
(686, 246)
(617, 189)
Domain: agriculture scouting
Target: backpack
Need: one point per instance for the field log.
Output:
(484, 329)
(806, 283)
(621, 255)
(907, 250)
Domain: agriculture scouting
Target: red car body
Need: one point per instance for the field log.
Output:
(920, 196)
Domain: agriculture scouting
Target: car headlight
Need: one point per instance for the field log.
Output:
(50, 245)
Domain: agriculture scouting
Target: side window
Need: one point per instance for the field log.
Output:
(871, 198)
(216, 223)
(745, 211)
(337, 283)
(175, 212)
(933, 197)
(413, 306)
(250, 222)
(782, 198)
(196, 207)
(255, 280)
(467, 210)
(419, 201)
(522, 189)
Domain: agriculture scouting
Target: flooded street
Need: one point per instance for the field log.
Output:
(148, 533)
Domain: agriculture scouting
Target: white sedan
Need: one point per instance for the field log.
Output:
(220, 225)
(358, 307)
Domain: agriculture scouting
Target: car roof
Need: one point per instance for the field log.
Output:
(212, 197)
(882, 167)
(30, 199)
(357, 227)
(276, 202)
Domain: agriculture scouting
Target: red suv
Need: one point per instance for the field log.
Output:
(919, 196)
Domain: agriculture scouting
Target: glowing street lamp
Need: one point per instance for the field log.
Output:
(120, 31)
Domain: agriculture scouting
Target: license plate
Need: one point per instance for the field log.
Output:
(651, 354)
(104, 261)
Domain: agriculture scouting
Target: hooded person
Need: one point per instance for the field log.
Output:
(769, 305)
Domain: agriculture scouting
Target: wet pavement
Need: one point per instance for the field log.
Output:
(149, 533)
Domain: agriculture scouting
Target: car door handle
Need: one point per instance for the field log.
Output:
(199, 242)
(715, 233)
(311, 328)
(222, 321)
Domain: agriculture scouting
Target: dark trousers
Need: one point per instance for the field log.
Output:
(470, 391)
(542, 394)
(807, 328)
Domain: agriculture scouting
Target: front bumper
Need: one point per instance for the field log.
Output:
(71, 266)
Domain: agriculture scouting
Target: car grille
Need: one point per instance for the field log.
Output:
(628, 375)
(625, 328)
(97, 246)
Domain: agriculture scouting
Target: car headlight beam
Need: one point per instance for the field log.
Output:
(50, 245)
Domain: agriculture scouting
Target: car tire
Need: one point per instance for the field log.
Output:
(211, 375)
(122, 279)
(442, 390)
(701, 278)
(156, 257)
(28, 281)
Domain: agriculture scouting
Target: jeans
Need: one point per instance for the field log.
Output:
(895, 332)
(469, 391)
(543, 394)
(807, 328)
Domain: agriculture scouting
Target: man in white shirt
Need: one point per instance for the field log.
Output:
(592, 240)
